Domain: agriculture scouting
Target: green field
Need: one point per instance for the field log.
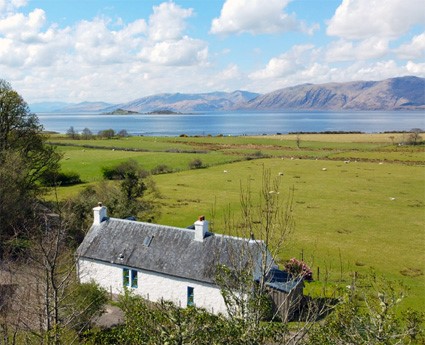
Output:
(359, 200)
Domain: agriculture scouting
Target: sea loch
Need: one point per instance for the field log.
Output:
(237, 123)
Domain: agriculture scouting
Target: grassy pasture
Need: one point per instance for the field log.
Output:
(369, 212)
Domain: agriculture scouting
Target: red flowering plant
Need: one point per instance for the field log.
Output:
(298, 268)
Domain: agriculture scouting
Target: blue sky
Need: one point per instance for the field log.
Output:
(120, 50)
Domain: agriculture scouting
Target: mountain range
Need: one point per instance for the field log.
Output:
(401, 93)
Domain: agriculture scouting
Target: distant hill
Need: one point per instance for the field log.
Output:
(402, 93)
(47, 107)
(85, 107)
(390, 94)
(181, 102)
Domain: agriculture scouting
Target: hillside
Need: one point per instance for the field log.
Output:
(180, 102)
(390, 94)
(402, 93)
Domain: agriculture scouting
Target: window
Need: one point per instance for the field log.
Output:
(125, 277)
(129, 278)
(190, 296)
(133, 279)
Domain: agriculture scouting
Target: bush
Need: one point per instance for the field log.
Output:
(60, 178)
(298, 268)
(106, 133)
(195, 164)
(123, 170)
(161, 169)
(123, 133)
(85, 301)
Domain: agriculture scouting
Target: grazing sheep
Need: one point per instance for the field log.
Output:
(280, 173)
(324, 169)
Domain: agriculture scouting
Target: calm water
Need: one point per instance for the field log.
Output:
(236, 123)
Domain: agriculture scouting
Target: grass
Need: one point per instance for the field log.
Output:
(345, 212)
(368, 213)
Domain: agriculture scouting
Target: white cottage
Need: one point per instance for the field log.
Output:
(163, 262)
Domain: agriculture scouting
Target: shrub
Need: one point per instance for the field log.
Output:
(195, 164)
(298, 268)
(107, 133)
(123, 133)
(60, 178)
(161, 169)
(123, 170)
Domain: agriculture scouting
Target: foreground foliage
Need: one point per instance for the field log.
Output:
(368, 314)
(24, 159)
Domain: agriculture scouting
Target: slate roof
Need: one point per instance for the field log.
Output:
(281, 280)
(165, 249)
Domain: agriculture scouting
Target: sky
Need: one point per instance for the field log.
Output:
(120, 50)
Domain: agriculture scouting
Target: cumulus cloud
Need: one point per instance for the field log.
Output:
(370, 48)
(23, 28)
(361, 19)
(94, 42)
(168, 21)
(415, 49)
(167, 44)
(283, 65)
(255, 17)
(10, 5)
(98, 55)
(186, 51)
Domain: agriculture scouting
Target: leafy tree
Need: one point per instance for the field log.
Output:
(106, 133)
(122, 201)
(24, 158)
(71, 133)
(86, 134)
(123, 133)
(414, 138)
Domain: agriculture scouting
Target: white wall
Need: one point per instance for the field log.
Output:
(152, 286)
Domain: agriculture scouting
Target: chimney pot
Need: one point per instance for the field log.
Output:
(99, 214)
(201, 228)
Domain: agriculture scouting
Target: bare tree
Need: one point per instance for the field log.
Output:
(49, 306)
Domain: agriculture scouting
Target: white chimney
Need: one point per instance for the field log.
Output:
(99, 214)
(201, 228)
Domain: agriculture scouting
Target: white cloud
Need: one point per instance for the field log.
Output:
(23, 28)
(285, 64)
(168, 22)
(183, 52)
(417, 69)
(415, 49)
(10, 5)
(370, 48)
(255, 17)
(361, 19)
